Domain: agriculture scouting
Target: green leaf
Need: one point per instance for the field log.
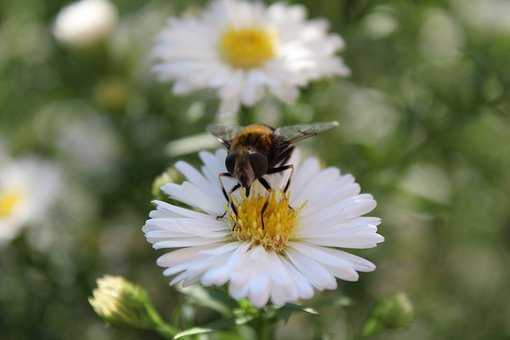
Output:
(300, 308)
(286, 311)
(193, 331)
(343, 301)
(221, 295)
(210, 298)
(372, 327)
(215, 326)
(389, 313)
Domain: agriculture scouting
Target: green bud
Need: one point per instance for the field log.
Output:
(169, 176)
(111, 94)
(390, 313)
(122, 303)
(246, 308)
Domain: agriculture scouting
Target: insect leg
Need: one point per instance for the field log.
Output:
(285, 155)
(281, 169)
(234, 188)
(267, 186)
(224, 174)
(232, 205)
(228, 196)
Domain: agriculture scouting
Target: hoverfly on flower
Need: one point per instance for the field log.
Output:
(257, 150)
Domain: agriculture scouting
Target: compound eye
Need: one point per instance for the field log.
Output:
(230, 162)
(258, 163)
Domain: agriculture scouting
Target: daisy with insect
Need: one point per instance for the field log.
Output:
(245, 50)
(279, 240)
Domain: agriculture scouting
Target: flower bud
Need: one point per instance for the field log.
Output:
(123, 303)
(392, 312)
(171, 175)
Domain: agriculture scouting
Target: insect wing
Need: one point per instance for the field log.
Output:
(224, 133)
(296, 133)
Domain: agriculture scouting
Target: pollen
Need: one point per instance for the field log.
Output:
(280, 220)
(247, 48)
(8, 202)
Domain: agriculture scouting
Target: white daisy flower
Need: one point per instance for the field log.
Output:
(28, 187)
(293, 255)
(245, 50)
(85, 23)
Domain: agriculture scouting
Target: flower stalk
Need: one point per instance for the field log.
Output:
(265, 328)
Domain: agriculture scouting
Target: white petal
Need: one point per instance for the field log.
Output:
(164, 209)
(317, 275)
(305, 289)
(214, 162)
(178, 256)
(191, 195)
(355, 241)
(358, 263)
(226, 248)
(238, 290)
(259, 289)
(185, 242)
(342, 211)
(336, 264)
(185, 226)
(195, 177)
(335, 227)
(327, 192)
(278, 295)
(282, 280)
(220, 275)
(304, 174)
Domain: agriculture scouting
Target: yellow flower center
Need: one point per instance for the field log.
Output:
(279, 220)
(8, 202)
(247, 48)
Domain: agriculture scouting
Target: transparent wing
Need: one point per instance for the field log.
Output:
(224, 133)
(296, 133)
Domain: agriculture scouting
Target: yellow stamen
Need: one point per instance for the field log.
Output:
(8, 202)
(247, 48)
(279, 221)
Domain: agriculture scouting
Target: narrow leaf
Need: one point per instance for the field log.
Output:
(193, 331)
(286, 311)
(208, 298)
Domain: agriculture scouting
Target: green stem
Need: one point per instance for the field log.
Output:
(264, 329)
(247, 116)
(166, 331)
(160, 326)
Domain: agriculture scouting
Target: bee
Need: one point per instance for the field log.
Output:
(257, 150)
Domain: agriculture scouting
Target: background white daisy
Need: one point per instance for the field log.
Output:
(293, 257)
(245, 50)
(28, 188)
(85, 23)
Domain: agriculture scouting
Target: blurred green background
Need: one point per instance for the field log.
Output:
(425, 121)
